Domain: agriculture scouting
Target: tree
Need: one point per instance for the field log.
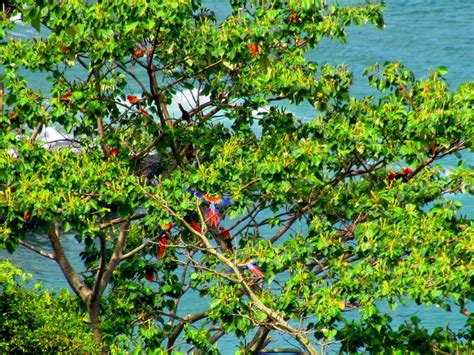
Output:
(36, 321)
(361, 180)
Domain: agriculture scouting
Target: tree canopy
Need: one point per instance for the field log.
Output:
(185, 176)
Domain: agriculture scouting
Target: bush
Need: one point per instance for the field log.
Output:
(36, 321)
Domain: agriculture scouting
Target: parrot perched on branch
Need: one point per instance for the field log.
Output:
(165, 235)
(400, 175)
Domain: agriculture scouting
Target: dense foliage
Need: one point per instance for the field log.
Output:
(35, 321)
(339, 212)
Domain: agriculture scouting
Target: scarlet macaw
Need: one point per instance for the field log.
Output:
(149, 273)
(138, 52)
(212, 213)
(66, 96)
(401, 175)
(213, 217)
(251, 265)
(224, 233)
(196, 226)
(135, 100)
(165, 234)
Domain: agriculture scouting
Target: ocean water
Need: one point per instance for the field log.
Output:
(423, 34)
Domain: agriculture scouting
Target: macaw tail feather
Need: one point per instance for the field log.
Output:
(196, 226)
(213, 218)
(255, 270)
(161, 249)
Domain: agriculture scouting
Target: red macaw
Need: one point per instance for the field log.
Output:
(66, 96)
(213, 217)
(251, 265)
(196, 226)
(212, 213)
(143, 111)
(134, 99)
(401, 175)
(138, 52)
(224, 233)
(149, 273)
(165, 234)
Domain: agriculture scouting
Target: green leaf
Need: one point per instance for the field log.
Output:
(442, 70)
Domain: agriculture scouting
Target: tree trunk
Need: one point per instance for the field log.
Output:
(258, 341)
(94, 318)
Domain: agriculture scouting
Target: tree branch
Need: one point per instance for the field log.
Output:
(288, 225)
(281, 323)
(101, 270)
(139, 248)
(177, 81)
(116, 221)
(156, 95)
(113, 262)
(35, 133)
(259, 340)
(78, 286)
(37, 250)
(457, 145)
(190, 318)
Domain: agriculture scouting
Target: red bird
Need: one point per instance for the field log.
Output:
(161, 249)
(250, 264)
(165, 234)
(401, 175)
(114, 151)
(196, 226)
(225, 234)
(133, 99)
(138, 52)
(213, 217)
(149, 273)
(212, 213)
(66, 96)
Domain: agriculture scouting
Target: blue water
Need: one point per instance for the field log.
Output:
(423, 34)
